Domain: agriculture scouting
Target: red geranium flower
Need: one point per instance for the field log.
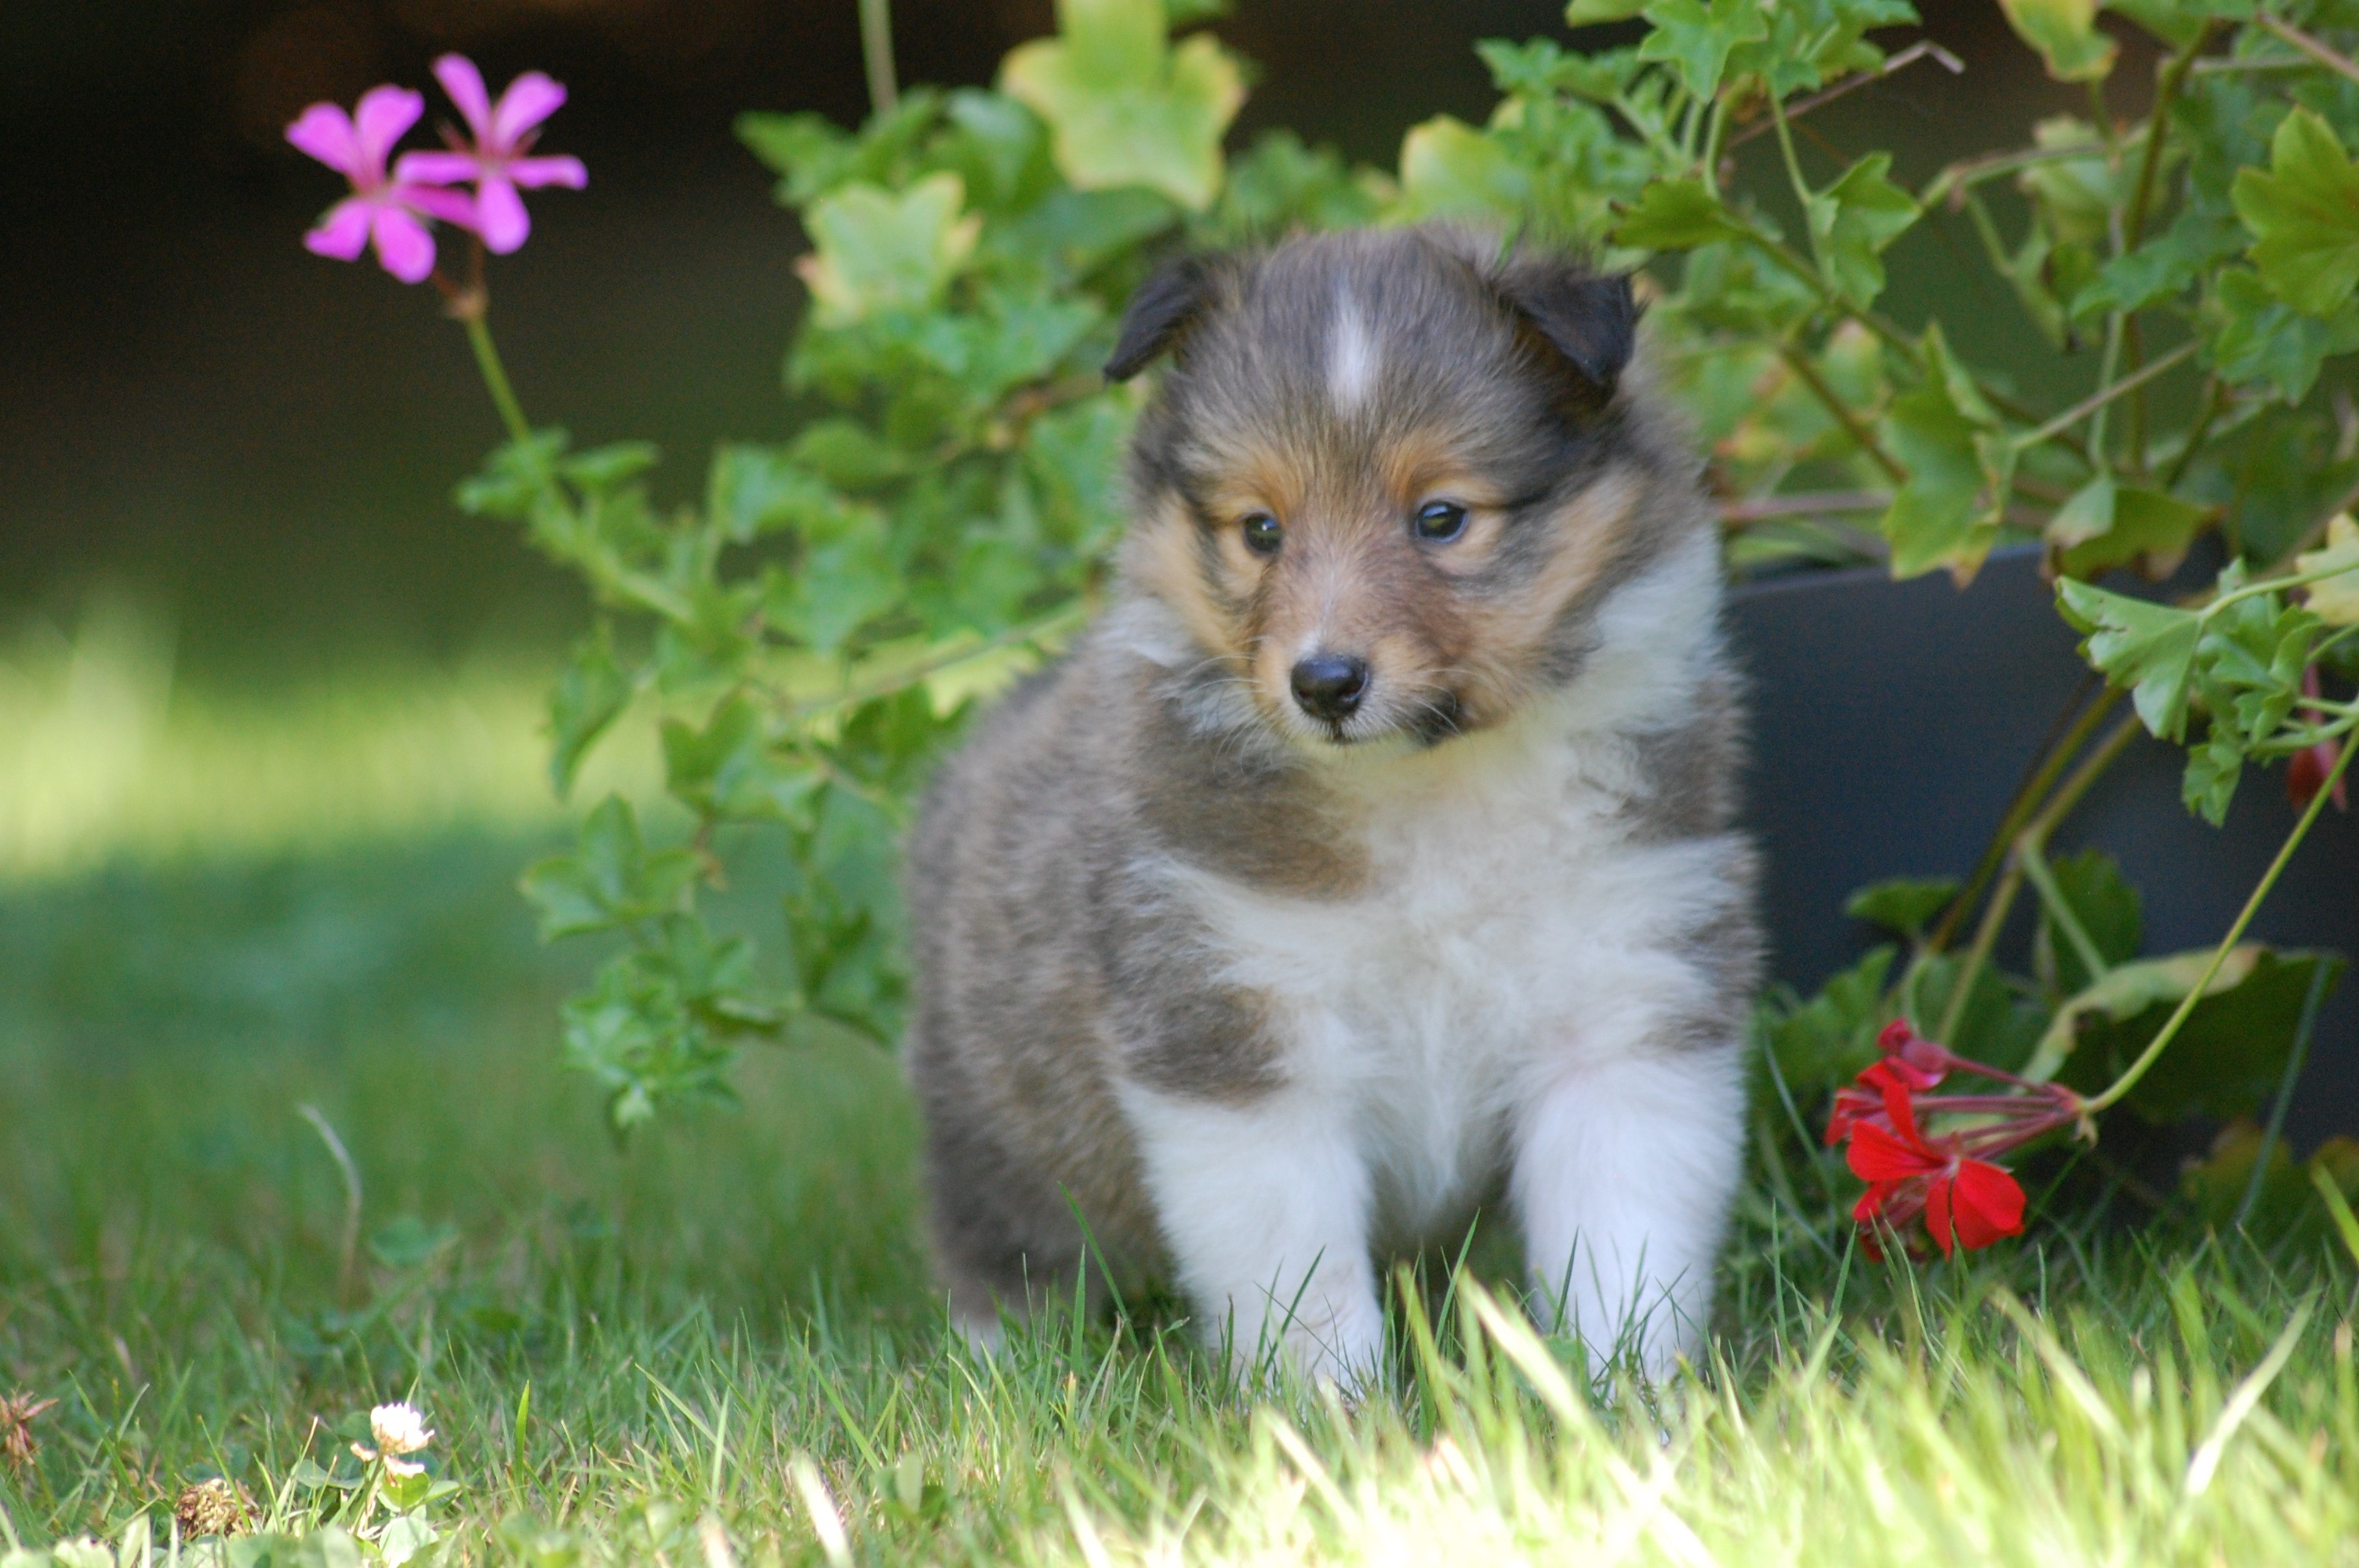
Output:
(1964, 1199)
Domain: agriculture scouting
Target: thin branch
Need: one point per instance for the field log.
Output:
(2105, 394)
(1799, 363)
(1924, 49)
(877, 54)
(2316, 50)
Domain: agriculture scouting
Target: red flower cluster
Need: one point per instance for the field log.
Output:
(1948, 1178)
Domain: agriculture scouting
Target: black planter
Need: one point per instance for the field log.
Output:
(1892, 724)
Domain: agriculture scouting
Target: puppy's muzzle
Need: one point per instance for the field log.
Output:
(1328, 687)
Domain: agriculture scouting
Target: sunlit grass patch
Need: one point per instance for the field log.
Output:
(104, 755)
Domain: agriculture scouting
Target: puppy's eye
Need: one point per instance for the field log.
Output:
(1263, 535)
(1441, 521)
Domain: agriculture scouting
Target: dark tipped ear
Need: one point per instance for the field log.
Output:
(1591, 322)
(1159, 313)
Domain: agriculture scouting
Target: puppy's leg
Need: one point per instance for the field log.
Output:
(1623, 1176)
(1005, 1238)
(1264, 1207)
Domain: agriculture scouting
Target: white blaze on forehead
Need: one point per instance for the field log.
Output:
(1351, 356)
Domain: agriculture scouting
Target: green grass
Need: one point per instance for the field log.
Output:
(718, 1345)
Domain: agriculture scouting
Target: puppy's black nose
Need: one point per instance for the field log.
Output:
(1329, 686)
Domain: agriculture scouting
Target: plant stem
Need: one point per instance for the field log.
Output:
(2062, 744)
(2095, 402)
(2295, 1057)
(2142, 204)
(2310, 46)
(495, 378)
(2214, 399)
(2169, 1031)
(2042, 877)
(1799, 363)
(877, 54)
(2034, 835)
(1924, 49)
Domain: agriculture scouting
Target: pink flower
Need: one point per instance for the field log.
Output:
(503, 132)
(380, 211)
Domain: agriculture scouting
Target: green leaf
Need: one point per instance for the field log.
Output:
(753, 491)
(2111, 914)
(1904, 904)
(1589, 13)
(846, 452)
(408, 1242)
(604, 468)
(839, 586)
(876, 250)
(2127, 992)
(1851, 222)
(632, 1033)
(2214, 770)
(1678, 215)
(517, 477)
(1450, 170)
(2106, 526)
(2065, 33)
(2229, 1056)
(1696, 35)
(1122, 106)
(2304, 215)
(2255, 338)
(611, 878)
(591, 691)
(1822, 1042)
(1946, 437)
(2147, 648)
(732, 770)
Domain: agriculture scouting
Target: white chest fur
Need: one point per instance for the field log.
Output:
(1512, 930)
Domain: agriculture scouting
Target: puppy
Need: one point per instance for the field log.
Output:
(1371, 859)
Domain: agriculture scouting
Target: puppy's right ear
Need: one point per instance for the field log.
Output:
(1159, 314)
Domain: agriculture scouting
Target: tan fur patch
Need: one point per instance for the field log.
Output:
(1591, 531)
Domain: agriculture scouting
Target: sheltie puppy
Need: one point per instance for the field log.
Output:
(1371, 860)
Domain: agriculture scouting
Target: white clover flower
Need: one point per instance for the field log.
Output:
(399, 1430)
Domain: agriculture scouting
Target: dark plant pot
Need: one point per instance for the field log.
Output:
(1892, 722)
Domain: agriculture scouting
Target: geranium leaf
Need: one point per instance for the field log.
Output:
(1904, 904)
(1942, 432)
(1124, 107)
(1678, 215)
(2065, 33)
(878, 250)
(2148, 648)
(2304, 215)
(2228, 1057)
(2257, 338)
(1450, 170)
(591, 691)
(2144, 525)
(1696, 36)
(1851, 222)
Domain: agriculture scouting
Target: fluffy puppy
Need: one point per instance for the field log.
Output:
(1372, 857)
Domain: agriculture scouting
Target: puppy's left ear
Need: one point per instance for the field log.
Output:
(1158, 315)
(1591, 322)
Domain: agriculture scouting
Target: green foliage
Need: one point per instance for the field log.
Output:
(807, 639)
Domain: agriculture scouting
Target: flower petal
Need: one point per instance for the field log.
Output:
(535, 172)
(384, 114)
(1938, 1218)
(343, 232)
(325, 132)
(531, 99)
(1878, 1156)
(437, 202)
(1989, 1204)
(464, 84)
(403, 248)
(435, 169)
(500, 216)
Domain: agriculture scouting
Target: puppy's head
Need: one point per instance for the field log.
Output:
(1388, 476)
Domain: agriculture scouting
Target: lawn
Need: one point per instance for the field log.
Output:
(289, 924)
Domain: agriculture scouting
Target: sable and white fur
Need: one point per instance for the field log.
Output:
(1260, 994)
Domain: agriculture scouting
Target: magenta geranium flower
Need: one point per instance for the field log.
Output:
(495, 161)
(386, 212)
